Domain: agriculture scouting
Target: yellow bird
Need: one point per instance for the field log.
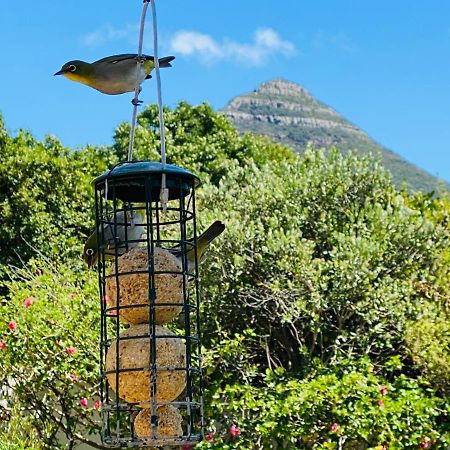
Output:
(203, 242)
(115, 74)
(133, 224)
(125, 234)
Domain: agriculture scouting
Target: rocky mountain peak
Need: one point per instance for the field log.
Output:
(289, 114)
(281, 87)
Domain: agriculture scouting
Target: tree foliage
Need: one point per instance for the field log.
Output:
(326, 295)
(45, 196)
(49, 352)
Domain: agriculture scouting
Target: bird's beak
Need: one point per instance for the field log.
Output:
(60, 72)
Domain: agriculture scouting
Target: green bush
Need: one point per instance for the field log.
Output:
(49, 355)
(428, 343)
(312, 299)
(46, 197)
(5, 446)
(199, 140)
(349, 407)
(320, 258)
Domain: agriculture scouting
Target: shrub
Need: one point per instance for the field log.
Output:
(428, 343)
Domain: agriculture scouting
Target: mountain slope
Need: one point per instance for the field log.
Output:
(287, 113)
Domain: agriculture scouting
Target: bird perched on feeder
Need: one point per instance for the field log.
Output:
(126, 232)
(203, 242)
(135, 230)
(115, 74)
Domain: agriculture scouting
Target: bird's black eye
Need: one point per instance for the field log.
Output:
(89, 252)
(72, 67)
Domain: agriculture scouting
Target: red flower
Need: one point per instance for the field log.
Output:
(334, 427)
(380, 403)
(83, 402)
(235, 431)
(3, 345)
(98, 405)
(186, 447)
(74, 377)
(71, 350)
(28, 302)
(209, 436)
(12, 325)
(383, 390)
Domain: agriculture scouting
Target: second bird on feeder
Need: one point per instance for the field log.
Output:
(115, 74)
(130, 227)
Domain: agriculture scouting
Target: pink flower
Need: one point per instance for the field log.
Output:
(83, 402)
(380, 403)
(98, 405)
(209, 436)
(383, 390)
(334, 427)
(71, 350)
(426, 443)
(28, 302)
(12, 325)
(235, 431)
(74, 377)
(3, 345)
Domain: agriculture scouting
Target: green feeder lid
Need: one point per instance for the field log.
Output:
(127, 180)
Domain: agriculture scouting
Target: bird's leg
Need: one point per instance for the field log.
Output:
(136, 101)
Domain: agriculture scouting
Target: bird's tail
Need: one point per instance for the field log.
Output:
(209, 235)
(165, 62)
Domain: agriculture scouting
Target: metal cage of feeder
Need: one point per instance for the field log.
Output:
(151, 375)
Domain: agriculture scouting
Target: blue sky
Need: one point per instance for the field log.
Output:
(384, 65)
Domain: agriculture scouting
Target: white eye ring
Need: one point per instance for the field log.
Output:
(72, 67)
(89, 252)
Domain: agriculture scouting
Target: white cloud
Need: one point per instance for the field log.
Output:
(108, 33)
(266, 42)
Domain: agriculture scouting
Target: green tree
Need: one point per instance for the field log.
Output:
(49, 354)
(46, 196)
(321, 257)
(310, 297)
(199, 140)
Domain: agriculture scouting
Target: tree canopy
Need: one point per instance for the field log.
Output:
(324, 303)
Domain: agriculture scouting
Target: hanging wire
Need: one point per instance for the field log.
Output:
(164, 195)
(140, 61)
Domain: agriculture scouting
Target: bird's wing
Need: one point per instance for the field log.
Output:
(122, 57)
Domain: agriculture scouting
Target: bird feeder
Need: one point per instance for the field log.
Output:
(151, 375)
